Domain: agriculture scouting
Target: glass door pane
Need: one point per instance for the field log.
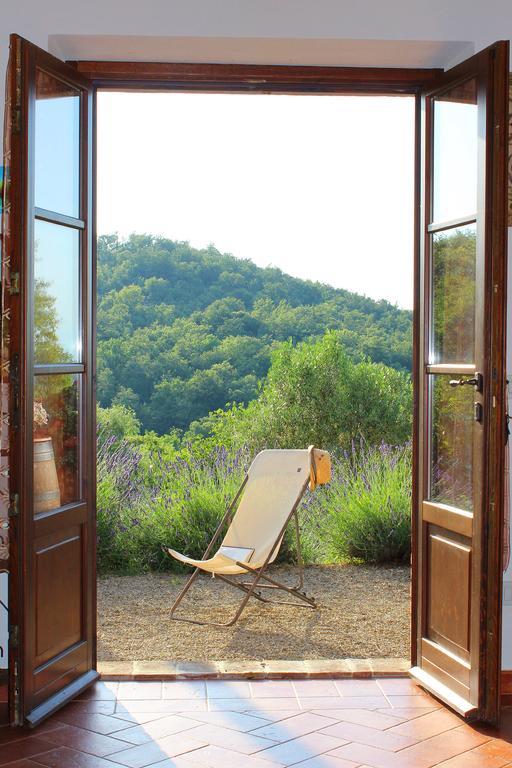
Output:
(451, 458)
(57, 145)
(58, 362)
(57, 440)
(453, 295)
(455, 152)
(57, 337)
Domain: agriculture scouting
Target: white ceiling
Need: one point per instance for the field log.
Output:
(254, 50)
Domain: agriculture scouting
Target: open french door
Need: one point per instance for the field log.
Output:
(48, 435)
(460, 386)
(48, 372)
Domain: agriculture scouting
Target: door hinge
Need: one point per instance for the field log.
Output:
(14, 635)
(7, 190)
(14, 643)
(18, 717)
(16, 120)
(14, 286)
(14, 376)
(14, 506)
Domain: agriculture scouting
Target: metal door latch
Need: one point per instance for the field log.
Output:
(477, 382)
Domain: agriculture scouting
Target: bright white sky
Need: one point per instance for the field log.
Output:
(319, 186)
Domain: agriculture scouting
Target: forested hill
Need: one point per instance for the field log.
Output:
(182, 332)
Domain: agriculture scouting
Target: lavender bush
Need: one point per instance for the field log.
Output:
(148, 497)
(364, 514)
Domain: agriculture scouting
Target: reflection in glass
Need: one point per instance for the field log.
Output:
(451, 465)
(456, 153)
(56, 441)
(453, 295)
(56, 294)
(57, 146)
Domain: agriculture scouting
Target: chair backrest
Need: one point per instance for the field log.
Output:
(276, 481)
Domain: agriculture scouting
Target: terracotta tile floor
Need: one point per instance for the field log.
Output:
(374, 723)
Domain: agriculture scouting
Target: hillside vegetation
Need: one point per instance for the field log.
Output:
(183, 332)
(205, 359)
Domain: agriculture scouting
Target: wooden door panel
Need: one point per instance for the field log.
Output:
(48, 678)
(52, 338)
(449, 518)
(450, 671)
(448, 602)
(59, 591)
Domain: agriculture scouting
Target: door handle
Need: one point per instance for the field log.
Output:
(477, 382)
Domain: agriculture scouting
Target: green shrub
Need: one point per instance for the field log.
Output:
(314, 393)
(146, 501)
(117, 421)
(365, 511)
(154, 494)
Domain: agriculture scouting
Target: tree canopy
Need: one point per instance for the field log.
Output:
(314, 394)
(183, 332)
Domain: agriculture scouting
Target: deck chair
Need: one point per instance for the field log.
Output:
(268, 497)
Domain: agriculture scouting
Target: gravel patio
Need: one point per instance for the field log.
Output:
(363, 613)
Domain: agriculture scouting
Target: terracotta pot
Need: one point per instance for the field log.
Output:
(46, 482)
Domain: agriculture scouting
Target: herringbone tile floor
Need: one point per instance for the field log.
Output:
(373, 723)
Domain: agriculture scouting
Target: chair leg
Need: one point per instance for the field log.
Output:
(299, 553)
(249, 592)
(274, 584)
(184, 591)
(297, 590)
(243, 586)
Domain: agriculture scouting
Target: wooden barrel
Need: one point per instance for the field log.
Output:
(46, 482)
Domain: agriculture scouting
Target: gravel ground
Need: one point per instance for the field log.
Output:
(363, 613)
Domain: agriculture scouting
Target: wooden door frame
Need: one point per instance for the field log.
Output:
(254, 78)
(262, 79)
(234, 78)
(496, 330)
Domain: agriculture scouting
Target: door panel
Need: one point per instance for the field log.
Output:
(460, 385)
(59, 583)
(448, 618)
(52, 337)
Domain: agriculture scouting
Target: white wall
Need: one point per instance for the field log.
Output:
(344, 32)
(248, 29)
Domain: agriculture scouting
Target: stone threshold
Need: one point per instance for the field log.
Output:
(253, 670)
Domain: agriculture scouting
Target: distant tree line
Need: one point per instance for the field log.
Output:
(183, 332)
